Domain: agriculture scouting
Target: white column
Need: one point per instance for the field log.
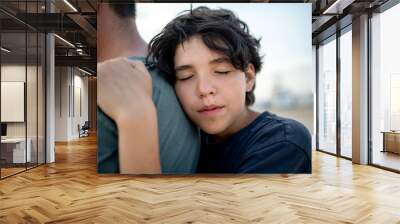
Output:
(50, 93)
(50, 82)
(360, 90)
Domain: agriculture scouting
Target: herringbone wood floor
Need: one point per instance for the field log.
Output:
(70, 191)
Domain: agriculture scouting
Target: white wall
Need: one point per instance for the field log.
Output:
(81, 82)
(61, 103)
(33, 126)
(70, 94)
(12, 73)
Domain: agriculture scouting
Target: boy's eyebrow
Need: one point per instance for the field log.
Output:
(220, 60)
(182, 67)
(214, 61)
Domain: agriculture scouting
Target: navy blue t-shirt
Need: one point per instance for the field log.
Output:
(269, 144)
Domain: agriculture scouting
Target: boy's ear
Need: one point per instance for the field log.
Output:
(250, 77)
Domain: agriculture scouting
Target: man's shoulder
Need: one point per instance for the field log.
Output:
(151, 67)
(105, 122)
(107, 144)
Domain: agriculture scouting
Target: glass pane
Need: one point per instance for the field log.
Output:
(13, 73)
(327, 97)
(31, 100)
(31, 86)
(386, 89)
(22, 63)
(41, 99)
(346, 94)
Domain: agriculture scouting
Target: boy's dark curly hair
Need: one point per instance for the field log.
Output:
(220, 29)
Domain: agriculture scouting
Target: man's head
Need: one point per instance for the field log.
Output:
(212, 60)
(117, 34)
(115, 12)
(124, 10)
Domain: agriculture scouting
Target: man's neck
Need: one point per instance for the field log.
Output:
(120, 44)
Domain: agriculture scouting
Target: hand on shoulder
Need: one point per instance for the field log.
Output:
(124, 86)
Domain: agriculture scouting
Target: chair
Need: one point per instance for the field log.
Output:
(84, 130)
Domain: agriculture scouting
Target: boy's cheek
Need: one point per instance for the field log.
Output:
(184, 97)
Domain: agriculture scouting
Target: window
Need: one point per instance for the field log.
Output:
(346, 93)
(327, 96)
(22, 77)
(385, 87)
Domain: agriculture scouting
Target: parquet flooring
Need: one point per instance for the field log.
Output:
(9, 171)
(70, 191)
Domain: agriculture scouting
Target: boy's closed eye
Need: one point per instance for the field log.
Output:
(223, 72)
(189, 76)
(223, 67)
(184, 77)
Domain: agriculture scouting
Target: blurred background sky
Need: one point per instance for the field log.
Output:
(285, 84)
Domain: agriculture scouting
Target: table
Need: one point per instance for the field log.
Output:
(391, 141)
(15, 148)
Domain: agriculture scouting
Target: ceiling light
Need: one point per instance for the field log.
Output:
(5, 50)
(338, 6)
(64, 40)
(70, 5)
(86, 72)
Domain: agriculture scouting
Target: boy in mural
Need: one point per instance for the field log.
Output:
(212, 60)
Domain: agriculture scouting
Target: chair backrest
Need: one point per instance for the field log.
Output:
(86, 125)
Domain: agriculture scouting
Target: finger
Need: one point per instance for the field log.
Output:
(139, 65)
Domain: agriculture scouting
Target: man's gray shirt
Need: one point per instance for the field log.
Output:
(179, 139)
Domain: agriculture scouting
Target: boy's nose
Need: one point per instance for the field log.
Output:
(205, 88)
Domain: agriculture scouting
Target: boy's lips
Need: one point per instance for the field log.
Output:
(210, 110)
